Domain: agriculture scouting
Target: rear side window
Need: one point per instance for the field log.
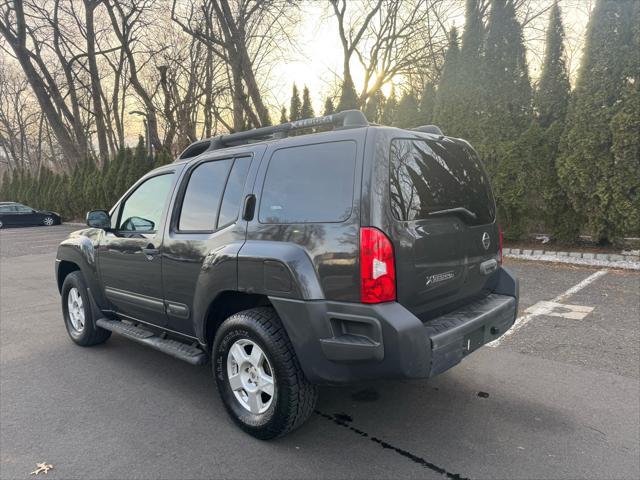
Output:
(427, 176)
(310, 183)
(202, 197)
(233, 191)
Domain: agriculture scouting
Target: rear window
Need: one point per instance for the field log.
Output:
(311, 183)
(428, 176)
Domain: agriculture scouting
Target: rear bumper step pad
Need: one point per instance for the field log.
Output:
(179, 350)
(455, 335)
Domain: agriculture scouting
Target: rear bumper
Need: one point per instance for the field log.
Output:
(339, 342)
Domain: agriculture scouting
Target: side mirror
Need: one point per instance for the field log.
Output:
(99, 219)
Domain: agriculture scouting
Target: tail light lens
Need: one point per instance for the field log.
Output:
(377, 267)
(499, 245)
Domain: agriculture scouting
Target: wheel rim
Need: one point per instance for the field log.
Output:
(48, 221)
(76, 309)
(250, 376)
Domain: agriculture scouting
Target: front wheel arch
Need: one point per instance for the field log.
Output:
(64, 269)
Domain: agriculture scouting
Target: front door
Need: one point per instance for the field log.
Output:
(128, 256)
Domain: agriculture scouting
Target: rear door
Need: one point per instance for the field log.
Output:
(205, 234)
(8, 214)
(25, 215)
(443, 223)
(306, 199)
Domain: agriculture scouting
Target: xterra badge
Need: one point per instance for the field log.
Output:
(439, 277)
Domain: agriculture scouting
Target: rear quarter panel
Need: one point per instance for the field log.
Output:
(319, 260)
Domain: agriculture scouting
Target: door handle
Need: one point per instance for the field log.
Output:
(150, 251)
(249, 207)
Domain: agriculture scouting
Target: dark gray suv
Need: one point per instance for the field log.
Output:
(289, 259)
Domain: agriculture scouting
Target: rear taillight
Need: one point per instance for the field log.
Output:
(377, 267)
(499, 245)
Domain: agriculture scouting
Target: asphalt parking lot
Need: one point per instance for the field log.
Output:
(559, 398)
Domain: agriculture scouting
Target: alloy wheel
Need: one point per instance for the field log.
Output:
(250, 376)
(76, 309)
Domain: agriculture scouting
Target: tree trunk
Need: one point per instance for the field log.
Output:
(101, 129)
(69, 148)
(152, 117)
(18, 44)
(236, 47)
(252, 86)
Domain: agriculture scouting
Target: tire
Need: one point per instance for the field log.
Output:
(89, 334)
(48, 221)
(293, 398)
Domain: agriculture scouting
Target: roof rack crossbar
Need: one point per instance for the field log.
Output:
(344, 119)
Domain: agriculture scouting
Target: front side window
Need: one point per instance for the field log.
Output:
(427, 176)
(202, 196)
(142, 210)
(310, 183)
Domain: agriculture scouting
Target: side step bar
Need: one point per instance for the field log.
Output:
(179, 350)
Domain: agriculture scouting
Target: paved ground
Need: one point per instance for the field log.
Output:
(557, 399)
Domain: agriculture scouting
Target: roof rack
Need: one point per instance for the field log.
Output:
(339, 120)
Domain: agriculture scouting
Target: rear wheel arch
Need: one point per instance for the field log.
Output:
(228, 303)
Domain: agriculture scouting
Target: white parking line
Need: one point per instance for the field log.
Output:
(562, 310)
(523, 320)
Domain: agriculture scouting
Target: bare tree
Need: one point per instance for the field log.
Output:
(126, 19)
(96, 87)
(408, 36)
(392, 38)
(16, 32)
(24, 131)
(352, 30)
(237, 32)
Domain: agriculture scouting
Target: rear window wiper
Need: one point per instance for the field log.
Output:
(448, 211)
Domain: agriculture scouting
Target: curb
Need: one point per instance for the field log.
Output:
(612, 260)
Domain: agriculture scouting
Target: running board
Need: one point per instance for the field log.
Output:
(179, 350)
